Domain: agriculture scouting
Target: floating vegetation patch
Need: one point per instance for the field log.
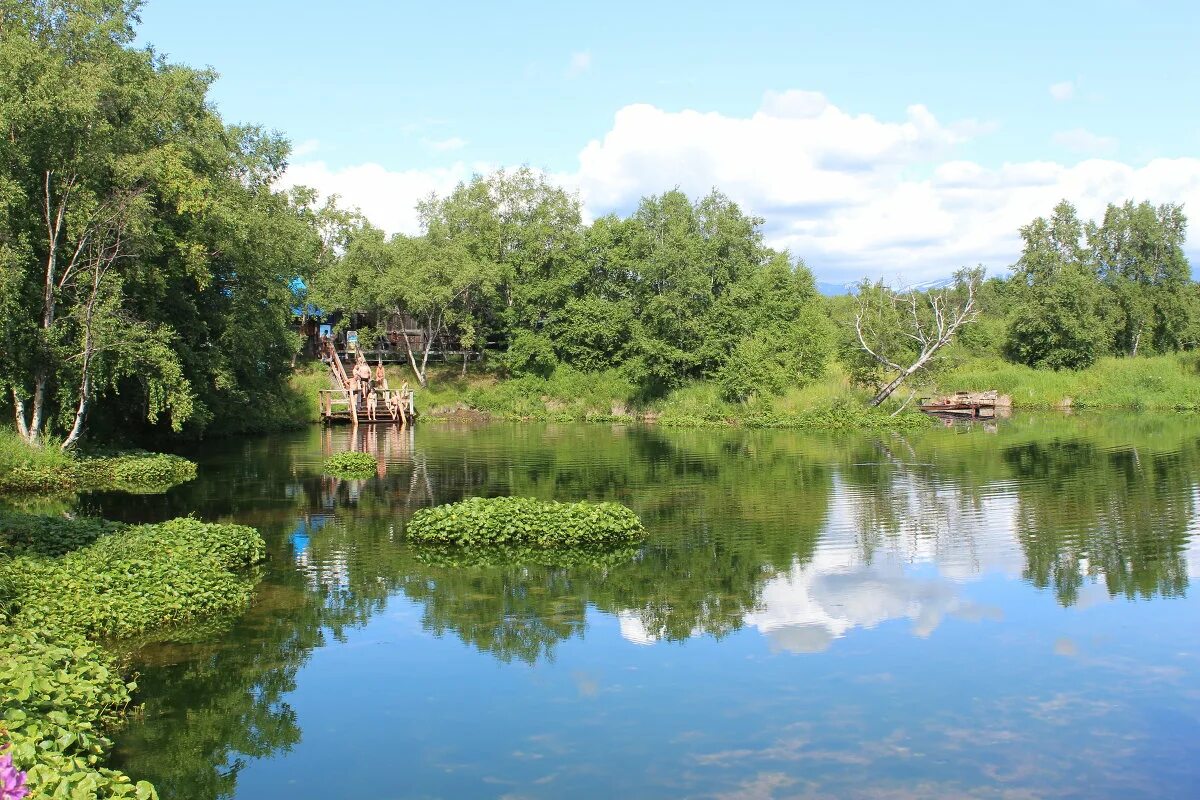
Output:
(528, 523)
(67, 582)
(350, 465)
(34, 534)
(141, 473)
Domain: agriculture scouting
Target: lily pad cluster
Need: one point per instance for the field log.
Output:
(351, 465)
(65, 584)
(526, 522)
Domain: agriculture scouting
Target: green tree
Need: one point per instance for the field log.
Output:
(1137, 251)
(143, 251)
(1058, 322)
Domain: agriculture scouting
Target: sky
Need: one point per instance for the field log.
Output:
(882, 140)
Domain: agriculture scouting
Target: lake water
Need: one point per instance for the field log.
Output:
(989, 611)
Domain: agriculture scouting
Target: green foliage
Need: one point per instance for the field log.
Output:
(1120, 287)
(47, 470)
(531, 354)
(69, 580)
(58, 698)
(171, 253)
(149, 577)
(508, 555)
(769, 361)
(34, 534)
(350, 464)
(520, 521)
(1060, 327)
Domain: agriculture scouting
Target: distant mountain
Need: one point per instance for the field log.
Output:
(832, 289)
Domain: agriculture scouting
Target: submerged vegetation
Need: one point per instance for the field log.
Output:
(520, 521)
(64, 584)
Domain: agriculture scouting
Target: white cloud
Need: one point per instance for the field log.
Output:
(854, 194)
(580, 62)
(387, 198)
(1063, 90)
(1078, 140)
(305, 148)
(445, 145)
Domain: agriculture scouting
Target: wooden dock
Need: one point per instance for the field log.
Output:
(972, 405)
(343, 403)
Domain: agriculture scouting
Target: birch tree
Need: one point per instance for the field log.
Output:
(901, 331)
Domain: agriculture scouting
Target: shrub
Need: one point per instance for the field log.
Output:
(526, 522)
(351, 465)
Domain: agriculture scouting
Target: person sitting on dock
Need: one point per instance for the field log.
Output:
(395, 406)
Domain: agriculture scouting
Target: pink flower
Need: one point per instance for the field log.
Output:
(12, 780)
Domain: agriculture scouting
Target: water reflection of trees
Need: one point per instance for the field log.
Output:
(1120, 515)
(730, 512)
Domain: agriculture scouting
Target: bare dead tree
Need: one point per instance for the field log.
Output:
(924, 321)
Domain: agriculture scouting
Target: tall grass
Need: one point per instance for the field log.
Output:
(1154, 383)
(15, 452)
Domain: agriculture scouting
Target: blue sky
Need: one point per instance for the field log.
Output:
(425, 94)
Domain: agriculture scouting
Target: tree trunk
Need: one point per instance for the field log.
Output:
(412, 360)
(76, 433)
(891, 386)
(38, 419)
(19, 413)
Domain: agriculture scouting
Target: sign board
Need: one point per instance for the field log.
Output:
(351, 338)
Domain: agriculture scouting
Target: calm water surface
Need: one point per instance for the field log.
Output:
(982, 612)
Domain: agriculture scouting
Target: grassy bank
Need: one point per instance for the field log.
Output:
(48, 470)
(1157, 383)
(572, 396)
(65, 585)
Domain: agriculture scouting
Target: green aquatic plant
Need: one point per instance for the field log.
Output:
(59, 697)
(65, 582)
(35, 534)
(148, 577)
(526, 522)
(141, 473)
(505, 555)
(350, 465)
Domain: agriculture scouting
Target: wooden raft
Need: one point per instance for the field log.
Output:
(965, 404)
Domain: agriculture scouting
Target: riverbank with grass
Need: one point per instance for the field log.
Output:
(26, 470)
(70, 590)
(1152, 383)
(568, 395)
